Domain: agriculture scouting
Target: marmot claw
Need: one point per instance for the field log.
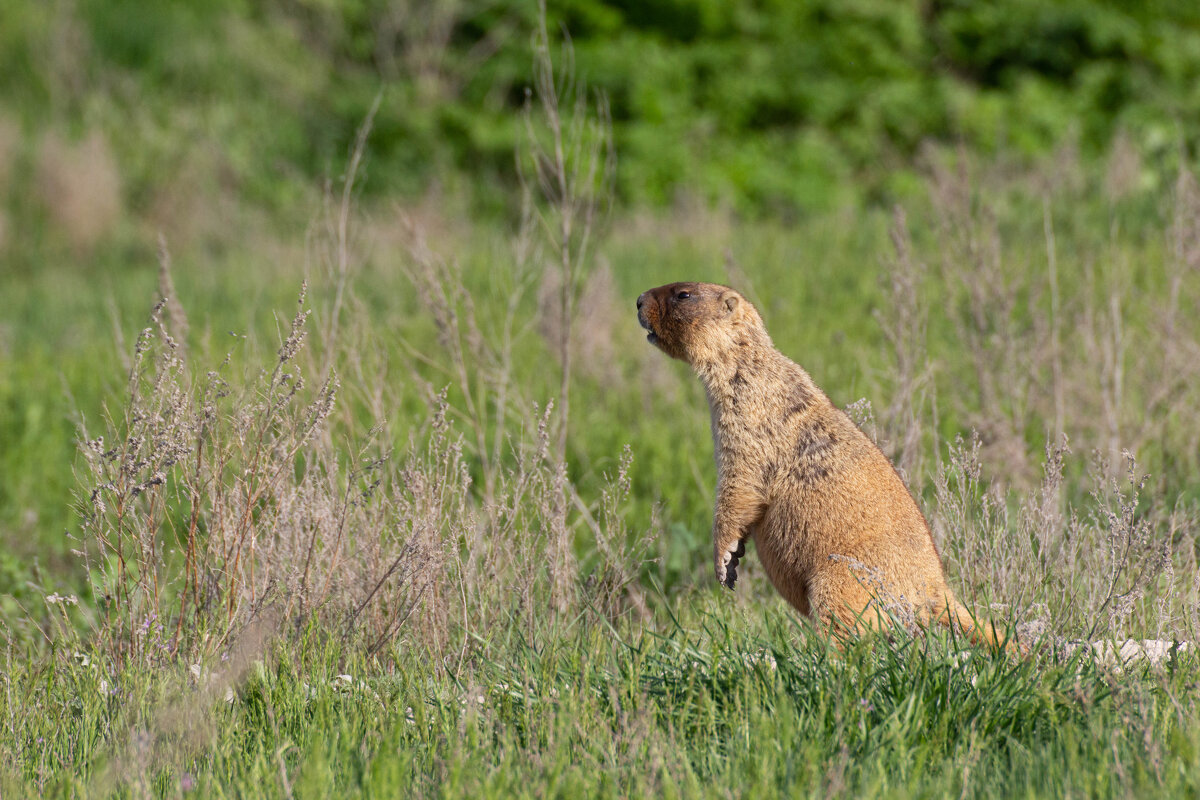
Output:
(727, 570)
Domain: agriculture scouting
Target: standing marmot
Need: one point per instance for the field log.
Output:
(836, 529)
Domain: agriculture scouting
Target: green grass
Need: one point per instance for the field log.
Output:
(220, 125)
(681, 705)
(724, 701)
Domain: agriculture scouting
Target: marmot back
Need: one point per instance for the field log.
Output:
(838, 533)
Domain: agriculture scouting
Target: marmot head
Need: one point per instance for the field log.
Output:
(699, 322)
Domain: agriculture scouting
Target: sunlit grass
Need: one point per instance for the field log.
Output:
(726, 701)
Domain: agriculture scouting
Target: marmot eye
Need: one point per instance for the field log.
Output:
(683, 296)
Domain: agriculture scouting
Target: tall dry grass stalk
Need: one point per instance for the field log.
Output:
(10, 141)
(903, 321)
(212, 503)
(983, 301)
(1117, 564)
(569, 152)
(1066, 350)
(336, 236)
(1115, 370)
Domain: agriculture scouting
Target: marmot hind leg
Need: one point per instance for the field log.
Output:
(845, 606)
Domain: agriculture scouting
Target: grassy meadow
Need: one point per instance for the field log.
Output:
(327, 472)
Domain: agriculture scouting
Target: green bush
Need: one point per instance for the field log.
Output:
(766, 106)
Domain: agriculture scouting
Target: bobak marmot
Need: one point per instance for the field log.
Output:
(837, 531)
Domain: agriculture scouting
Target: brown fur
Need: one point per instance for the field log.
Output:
(838, 533)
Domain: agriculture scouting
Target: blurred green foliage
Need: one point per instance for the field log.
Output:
(765, 105)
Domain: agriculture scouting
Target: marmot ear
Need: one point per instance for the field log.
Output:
(731, 301)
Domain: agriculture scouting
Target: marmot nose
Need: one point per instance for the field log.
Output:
(641, 300)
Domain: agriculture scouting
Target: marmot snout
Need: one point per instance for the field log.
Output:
(837, 531)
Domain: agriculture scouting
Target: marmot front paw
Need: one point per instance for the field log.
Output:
(726, 563)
